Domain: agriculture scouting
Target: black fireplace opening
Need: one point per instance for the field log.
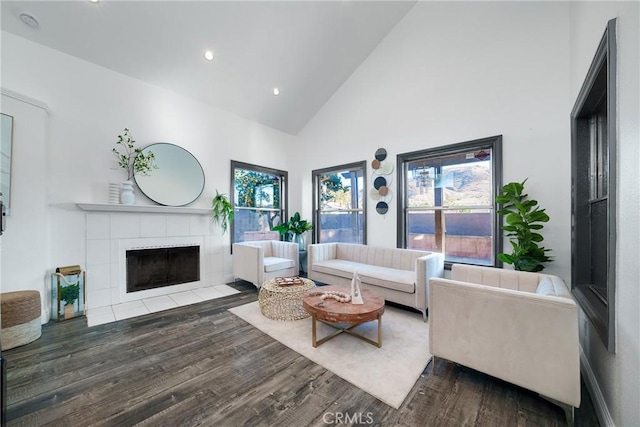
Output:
(158, 267)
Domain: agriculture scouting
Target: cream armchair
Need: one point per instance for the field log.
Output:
(517, 326)
(259, 261)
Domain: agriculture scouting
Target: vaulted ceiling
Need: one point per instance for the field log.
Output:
(306, 49)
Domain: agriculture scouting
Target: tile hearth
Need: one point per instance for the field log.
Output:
(101, 315)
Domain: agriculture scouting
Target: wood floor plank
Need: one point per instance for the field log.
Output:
(131, 365)
(202, 365)
(192, 383)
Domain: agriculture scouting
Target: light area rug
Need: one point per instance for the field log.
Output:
(387, 373)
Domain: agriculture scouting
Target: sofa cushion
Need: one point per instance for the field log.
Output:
(399, 280)
(275, 264)
(336, 267)
(390, 278)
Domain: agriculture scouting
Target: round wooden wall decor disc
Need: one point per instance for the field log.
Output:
(382, 208)
(381, 154)
(384, 190)
(375, 163)
(379, 182)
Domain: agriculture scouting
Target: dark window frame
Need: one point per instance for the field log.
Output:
(316, 194)
(284, 189)
(493, 142)
(599, 86)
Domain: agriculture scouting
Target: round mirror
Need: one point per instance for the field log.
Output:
(179, 179)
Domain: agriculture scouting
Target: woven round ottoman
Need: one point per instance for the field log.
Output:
(280, 300)
(20, 318)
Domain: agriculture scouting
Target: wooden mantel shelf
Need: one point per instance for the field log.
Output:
(104, 207)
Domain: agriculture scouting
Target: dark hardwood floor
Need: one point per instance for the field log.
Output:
(201, 365)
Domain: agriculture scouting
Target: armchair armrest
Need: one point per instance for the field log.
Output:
(527, 339)
(248, 263)
(427, 267)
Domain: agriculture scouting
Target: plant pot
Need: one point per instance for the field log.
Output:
(69, 311)
(299, 239)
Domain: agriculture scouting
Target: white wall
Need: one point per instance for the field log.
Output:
(452, 72)
(617, 374)
(25, 241)
(89, 106)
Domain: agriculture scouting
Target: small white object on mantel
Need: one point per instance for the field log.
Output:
(356, 294)
(127, 197)
(114, 193)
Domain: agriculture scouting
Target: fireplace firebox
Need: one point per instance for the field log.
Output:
(151, 268)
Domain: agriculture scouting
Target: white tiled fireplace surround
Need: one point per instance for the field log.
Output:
(109, 234)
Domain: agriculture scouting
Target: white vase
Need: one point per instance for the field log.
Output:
(126, 193)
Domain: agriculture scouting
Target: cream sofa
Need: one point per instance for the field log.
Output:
(398, 275)
(262, 260)
(517, 326)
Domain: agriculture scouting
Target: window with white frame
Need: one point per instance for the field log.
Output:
(259, 200)
(339, 203)
(447, 201)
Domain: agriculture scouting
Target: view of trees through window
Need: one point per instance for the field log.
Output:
(257, 200)
(339, 212)
(449, 202)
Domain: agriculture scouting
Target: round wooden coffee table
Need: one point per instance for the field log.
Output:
(333, 313)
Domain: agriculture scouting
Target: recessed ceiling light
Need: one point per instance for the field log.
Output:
(276, 91)
(208, 55)
(29, 19)
(94, 1)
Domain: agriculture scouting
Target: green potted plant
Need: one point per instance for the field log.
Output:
(69, 294)
(294, 229)
(221, 211)
(524, 219)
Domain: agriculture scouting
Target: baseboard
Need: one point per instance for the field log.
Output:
(599, 404)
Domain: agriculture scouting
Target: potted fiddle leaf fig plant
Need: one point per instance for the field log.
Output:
(524, 219)
(294, 229)
(221, 211)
